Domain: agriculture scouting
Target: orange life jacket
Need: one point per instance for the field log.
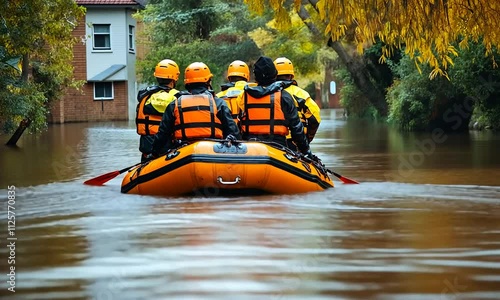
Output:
(195, 118)
(263, 115)
(148, 116)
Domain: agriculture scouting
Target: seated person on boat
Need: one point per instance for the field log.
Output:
(268, 112)
(196, 115)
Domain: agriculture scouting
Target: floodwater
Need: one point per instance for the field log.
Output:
(423, 223)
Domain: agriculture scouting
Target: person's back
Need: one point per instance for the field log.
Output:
(153, 101)
(268, 112)
(196, 115)
(230, 96)
(238, 75)
(308, 109)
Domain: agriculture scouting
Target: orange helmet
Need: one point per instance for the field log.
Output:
(167, 69)
(197, 72)
(238, 68)
(284, 66)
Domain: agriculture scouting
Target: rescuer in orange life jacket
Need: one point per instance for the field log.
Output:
(196, 115)
(238, 75)
(268, 112)
(152, 103)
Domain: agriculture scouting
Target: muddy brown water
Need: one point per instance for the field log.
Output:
(423, 223)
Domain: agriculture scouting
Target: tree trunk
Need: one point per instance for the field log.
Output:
(25, 76)
(25, 73)
(20, 129)
(354, 64)
(361, 77)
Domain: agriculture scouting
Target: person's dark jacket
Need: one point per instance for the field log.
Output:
(292, 120)
(165, 133)
(226, 85)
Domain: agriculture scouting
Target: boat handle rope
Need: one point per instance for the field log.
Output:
(236, 180)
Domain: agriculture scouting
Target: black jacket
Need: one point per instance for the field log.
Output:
(292, 120)
(165, 133)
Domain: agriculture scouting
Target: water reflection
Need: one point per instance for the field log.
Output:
(360, 149)
(62, 153)
(376, 240)
(46, 243)
(51, 156)
(396, 235)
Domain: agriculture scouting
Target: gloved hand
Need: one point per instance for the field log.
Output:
(231, 138)
(313, 157)
(151, 156)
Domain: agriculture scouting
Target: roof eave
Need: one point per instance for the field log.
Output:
(138, 6)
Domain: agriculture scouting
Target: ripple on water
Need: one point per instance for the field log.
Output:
(342, 243)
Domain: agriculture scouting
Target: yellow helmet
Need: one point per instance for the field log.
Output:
(238, 68)
(197, 72)
(284, 66)
(167, 69)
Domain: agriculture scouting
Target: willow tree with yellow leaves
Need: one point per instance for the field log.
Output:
(426, 30)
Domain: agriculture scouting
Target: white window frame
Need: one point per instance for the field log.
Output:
(94, 33)
(131, 38)
(112, 97)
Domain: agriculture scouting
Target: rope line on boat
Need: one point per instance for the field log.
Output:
(231, 140)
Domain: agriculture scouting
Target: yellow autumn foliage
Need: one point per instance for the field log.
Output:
(265, 38)
(426, 28)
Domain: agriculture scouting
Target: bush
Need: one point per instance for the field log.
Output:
(419, 103)
(474, 75)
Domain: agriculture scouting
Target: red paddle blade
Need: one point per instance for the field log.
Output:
(348, 180)
(100, 180)
(344, 179)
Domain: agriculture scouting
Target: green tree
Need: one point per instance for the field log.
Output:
(38, 34)
(419, 103)
(414, 99)
(213, 32)
(473, 75)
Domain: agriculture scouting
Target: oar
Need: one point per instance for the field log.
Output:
(102, 179)
(342, 178)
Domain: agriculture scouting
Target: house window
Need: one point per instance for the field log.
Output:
(131, 44)
(102, 37)
(103, 90)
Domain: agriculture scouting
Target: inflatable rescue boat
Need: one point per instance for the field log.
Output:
(218, 167)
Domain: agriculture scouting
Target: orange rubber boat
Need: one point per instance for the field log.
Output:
(220, 167)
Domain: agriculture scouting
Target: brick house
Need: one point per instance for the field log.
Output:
(105, 59)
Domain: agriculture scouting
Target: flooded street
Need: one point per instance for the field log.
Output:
(423, 223)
